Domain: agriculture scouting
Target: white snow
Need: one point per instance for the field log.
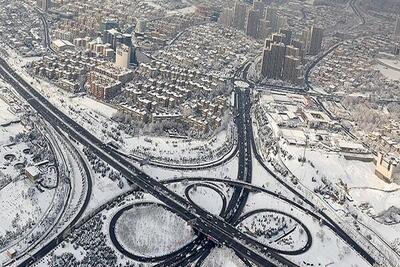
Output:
(166, 232)
(389, 72)
(188, 151)
(206, 198)
(326, 247)
(182, 11)
(223, 257)
(6, 116)
(14, 200)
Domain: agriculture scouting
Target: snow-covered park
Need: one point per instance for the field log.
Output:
(151, 231)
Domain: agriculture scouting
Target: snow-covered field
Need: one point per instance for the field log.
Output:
(275, 230)
(146, 229)
(348, 190)
(389, 73)
(326, 249)
(187, 151)
(223, 257)
(6, 116)
(225, 171)
(152, 231)
(334, 166)
(207, 198)
(371, 199)
(17, 209)
(362, 183)
(22, 205)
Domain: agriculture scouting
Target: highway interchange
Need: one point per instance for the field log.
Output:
(205, 222)
(221, 230)
(212, 229)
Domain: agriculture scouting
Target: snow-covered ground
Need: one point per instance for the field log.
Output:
(182, 11)
(391, 63)
(17, 209)
(187, 151)
(364, 187)
(143, 230)
(22, 205)
(389, 73)
(152, 231)
(223, 257)
(276, 230)
(6, 116)
(348, 190)
(207, 198)
(326, 249)
(225, 171)
(335, 167)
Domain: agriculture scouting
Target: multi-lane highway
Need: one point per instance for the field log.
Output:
(240, 194)
(204, 222)
(333, 225)
(220, 228)
(202, 246)
(353, 5)
(45, 249)
(46, 33)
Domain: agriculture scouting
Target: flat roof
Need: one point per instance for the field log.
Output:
(33, 170)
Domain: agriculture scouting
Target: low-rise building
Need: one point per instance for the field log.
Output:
(11, 253)
(61, 45)
(137, 114)
(33, 173)
(388, 167)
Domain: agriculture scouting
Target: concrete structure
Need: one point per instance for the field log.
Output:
(61, 45)
(280, 60)
(273, 59)
(315, 119)
(239, 15)
(11, 253)
(123, 56)
(388, 167)
(69, 86)
(136, 114)
(259, 5)
(282, 23)
(112, 71)
(43, 4)
(271, 15)
(397, 27)
(141, 26)
(264, 28)
(106, 25)
(102, 87)
(112, 37)
(226, 17)
(33, 173)
(253, 17)
(305, 40)
(290, 70)
(287, 39)
(164, 92)
(315, 40)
